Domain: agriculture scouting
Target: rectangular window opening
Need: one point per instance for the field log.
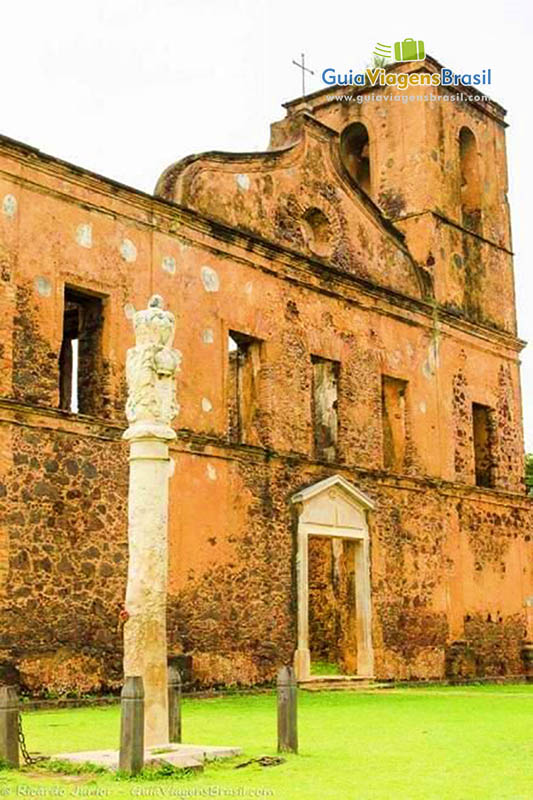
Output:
(393, 402)
(483, 440)
(80, 358)
(325, 407)
(244, 373)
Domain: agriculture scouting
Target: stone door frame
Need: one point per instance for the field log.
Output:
(334, 508)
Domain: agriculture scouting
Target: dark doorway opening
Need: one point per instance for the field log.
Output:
(332, 607)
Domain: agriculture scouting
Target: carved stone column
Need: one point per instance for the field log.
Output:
(151, 367)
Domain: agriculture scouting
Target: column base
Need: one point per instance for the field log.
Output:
(365, 664)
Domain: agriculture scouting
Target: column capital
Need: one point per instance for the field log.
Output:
(148, 429)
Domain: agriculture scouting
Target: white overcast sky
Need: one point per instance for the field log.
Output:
(125, 87)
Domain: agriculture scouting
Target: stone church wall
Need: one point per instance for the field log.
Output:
(451, 563)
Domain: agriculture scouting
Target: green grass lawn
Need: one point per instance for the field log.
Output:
(324, 668)
(441, 743)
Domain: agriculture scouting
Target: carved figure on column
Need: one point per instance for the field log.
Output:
(151, 368)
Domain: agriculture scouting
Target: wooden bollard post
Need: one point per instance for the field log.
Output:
(174, 704)
(287, 711)
(131, 758)
(527, 659)
(9, 725)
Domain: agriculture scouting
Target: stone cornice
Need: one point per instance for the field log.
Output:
(166, 216)
(447, 221)
(210, 446)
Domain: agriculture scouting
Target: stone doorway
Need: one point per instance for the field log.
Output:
(333, 533)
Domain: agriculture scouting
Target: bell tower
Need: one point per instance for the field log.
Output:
(433, 159)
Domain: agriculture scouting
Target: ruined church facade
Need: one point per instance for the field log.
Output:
(348, 486)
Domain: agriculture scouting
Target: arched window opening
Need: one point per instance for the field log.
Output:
(355, 154)
(470, 181)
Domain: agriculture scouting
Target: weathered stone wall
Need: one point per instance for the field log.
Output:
(232, 568)
(451, 564)
(441, 558)
(231, 572)
(416, 180)
(63, 505)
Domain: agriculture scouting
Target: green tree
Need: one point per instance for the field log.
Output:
(529, 474)
(378, 61)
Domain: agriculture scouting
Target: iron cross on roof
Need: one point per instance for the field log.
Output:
(304, 70)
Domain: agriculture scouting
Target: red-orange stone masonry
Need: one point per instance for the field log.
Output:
(363, 269)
